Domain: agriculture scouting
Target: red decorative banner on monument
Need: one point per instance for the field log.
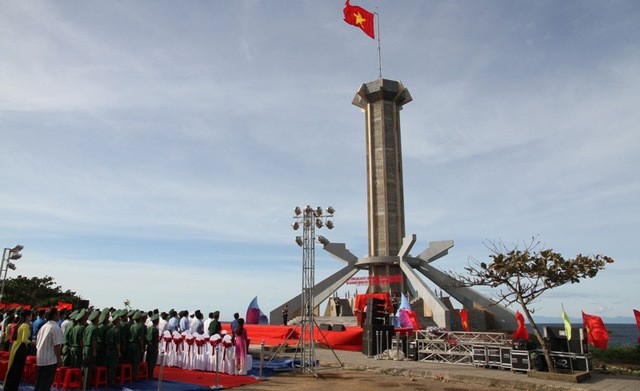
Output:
(375, 280)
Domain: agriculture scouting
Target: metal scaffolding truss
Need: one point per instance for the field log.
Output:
(454, 347)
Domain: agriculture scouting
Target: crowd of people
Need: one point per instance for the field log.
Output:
(87, 338)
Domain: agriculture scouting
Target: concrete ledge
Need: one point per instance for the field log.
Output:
(576, 377)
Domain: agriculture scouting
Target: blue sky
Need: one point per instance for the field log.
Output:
(154, 150)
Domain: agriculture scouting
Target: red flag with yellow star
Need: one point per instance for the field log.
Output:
(597, 334)
(359, 17)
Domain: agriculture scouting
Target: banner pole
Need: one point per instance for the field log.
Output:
(379, 55)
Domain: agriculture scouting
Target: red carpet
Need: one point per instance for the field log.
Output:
(201, 378)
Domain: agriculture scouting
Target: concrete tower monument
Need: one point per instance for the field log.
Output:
(390, 266)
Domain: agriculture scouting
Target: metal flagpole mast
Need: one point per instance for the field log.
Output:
(378, 34)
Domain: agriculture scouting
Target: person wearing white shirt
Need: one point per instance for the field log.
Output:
(48, 351)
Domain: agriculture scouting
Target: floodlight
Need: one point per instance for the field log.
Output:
(330, 210)
(14, 253)
(11, 266)
(319, 223)
(324, 241)
(295, 226)
(318, 211)
(308, 210)
(299, 240)
(329, 224)
(297, 211)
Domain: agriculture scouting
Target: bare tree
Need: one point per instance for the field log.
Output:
(522, 275)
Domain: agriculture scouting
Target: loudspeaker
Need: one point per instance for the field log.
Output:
(376, 338)
(376, 312)
(339, 327)
(325, 327)
(558, 340)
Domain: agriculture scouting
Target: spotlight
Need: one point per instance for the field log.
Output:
(11, 266)
(318, 211)
(324, 241)
(319, 223)
(330, 210)
(308, 210)
(329, 224)
(295, 226)
(297, 211)
(299, 240)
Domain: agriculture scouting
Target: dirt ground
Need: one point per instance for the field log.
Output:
(335, 380)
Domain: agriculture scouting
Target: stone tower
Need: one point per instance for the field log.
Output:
(382, 101)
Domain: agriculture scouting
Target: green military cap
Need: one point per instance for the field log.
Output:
(93, 315)
(103, 315)
(80, 314)
(137, 315)
(73, 314)
(154, 317)
(115, 316)
(132, 312)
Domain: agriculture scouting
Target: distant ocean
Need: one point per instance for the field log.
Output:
(620, 334)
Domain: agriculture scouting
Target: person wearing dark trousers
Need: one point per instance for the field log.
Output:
(48, 350)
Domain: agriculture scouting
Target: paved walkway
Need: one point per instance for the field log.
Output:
(470, 374)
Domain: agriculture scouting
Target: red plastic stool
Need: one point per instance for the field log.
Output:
(29, 372)
(123, 373)
(99, 376)
(72, 378)
(4, 364)
(58, 380)
(143, 371)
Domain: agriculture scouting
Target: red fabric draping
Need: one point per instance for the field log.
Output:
(201, 378)
(275, 335)
(361, 301)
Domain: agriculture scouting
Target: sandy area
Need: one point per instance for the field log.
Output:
(338, 380)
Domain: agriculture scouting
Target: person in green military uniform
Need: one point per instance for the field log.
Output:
(125, 333)
(90, 346)
(112, 348)
(103, 322)
(75, 339)
(66, 341)
(153, 338)
(137, 342)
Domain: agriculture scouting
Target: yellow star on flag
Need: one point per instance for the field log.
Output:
(359, 19)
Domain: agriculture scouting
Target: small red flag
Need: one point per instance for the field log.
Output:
(637, 314)
(359, 17)
(597, 334)
(521, 332)
(464, 319)
(64, 306)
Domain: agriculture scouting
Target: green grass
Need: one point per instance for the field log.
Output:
(618, 359)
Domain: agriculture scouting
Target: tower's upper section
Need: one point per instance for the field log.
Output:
(382, 89)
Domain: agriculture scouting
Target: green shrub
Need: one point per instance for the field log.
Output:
(617, 354)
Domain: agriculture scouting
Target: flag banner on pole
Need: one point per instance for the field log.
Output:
(637, 314)
(597, 334)
(567, 324)
(521, 332)
(359, 17)
(464, 319)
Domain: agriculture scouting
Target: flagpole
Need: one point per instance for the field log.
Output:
(378, 34)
